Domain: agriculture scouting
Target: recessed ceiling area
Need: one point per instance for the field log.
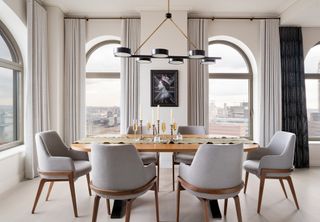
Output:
(292, 12)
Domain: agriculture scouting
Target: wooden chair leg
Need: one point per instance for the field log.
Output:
(157, 201)
(49, 190)
(283, 187)
(158, 171)
(293, 192)
(262, 179)
(95, 208)
(246, 182)
(178, 202)
(88, 182)
(41, 184)
(205, 209)
(173, 181)
(73, 195)
(238, 208)
(225, 207)
(128, 210)
(108, 206)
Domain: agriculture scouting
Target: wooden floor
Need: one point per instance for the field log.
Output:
(16, 204)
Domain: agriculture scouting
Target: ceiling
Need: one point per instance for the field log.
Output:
(232, 8)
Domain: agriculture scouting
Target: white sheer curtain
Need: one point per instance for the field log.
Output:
(74, 82)
(270, 80)
(36, 84)
(198, 77)
(130, 74)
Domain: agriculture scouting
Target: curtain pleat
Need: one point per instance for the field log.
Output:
(198, 77)
(270, 80)
(294, 110)
(130, 74)
(36, 84)
(74, 80)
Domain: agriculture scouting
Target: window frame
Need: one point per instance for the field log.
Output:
(16, 65)
(246, 76)
(314, 76)
(101, 75)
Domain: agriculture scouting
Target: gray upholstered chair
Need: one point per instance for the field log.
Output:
(59, 163)
(275, 161)
(147, 157)
(210, 178)
(118, 173)
(185, 158)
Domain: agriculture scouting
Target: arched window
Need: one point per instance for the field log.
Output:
(103, 89)
(312, 71)
(230, 91)
(11, 133)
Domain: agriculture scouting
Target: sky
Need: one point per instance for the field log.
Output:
(4, 50)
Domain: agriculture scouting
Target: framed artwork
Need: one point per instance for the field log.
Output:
(164, 88)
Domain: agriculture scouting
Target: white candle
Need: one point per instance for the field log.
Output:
(158, 112)
(171, 116)
(140, 112)
(152, 116)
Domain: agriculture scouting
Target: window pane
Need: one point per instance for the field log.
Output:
(313, 106)
(103, 106)
(103, 60)
(229, 112)
(4, 50)
(231, 62)
(7, 106)
(312, 61)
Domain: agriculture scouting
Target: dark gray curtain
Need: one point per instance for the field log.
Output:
(294, 111)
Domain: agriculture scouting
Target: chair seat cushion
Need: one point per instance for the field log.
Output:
(252, 166)
(183, 158)
(148, 157)
(82, 167)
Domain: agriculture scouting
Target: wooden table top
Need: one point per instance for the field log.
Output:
(163, 147)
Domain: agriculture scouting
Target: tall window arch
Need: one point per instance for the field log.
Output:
(230, 91)
(103, 89)
(312, 72)
(11, 112)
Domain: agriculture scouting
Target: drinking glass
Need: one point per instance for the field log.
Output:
(135, 128)
(163, 127)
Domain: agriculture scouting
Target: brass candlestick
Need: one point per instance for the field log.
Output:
(158, 130)
(141, 130)
(154, 130)
(171, 132)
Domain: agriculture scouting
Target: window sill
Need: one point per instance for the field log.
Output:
(11, 152)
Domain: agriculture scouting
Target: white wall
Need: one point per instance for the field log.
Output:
(13, 16)
(56, 66)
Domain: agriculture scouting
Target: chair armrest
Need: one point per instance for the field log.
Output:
(150, 171)
(78, 155)
(258, 153)
(274, 162)
(58, 163)
(184, 171)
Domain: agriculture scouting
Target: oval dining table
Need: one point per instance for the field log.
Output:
(190, 143)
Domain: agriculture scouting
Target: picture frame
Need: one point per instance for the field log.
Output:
(164, 88)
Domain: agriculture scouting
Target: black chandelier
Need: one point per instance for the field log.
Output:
(160, 53)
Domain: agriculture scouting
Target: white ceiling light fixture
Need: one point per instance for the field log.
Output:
(160, 53)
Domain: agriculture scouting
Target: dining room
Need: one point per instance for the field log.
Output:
(172, 110)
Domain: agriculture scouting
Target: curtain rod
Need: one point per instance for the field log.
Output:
(235, 18)
(211, 18)
(97, 18)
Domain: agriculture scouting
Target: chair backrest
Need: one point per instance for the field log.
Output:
(191, 130)
(217, 166)
(144, 130)
(48, 144)
(116, 167)
(283, 143)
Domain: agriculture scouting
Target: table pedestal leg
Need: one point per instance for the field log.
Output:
(215, 210)
(119, 209)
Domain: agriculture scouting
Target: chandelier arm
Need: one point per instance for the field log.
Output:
(150, 36)
(189, 40)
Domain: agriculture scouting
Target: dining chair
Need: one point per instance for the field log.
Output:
(210, 178)
(118, 173)
(275, 161)
(187, 157)
(147, 157)
(59, 163)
